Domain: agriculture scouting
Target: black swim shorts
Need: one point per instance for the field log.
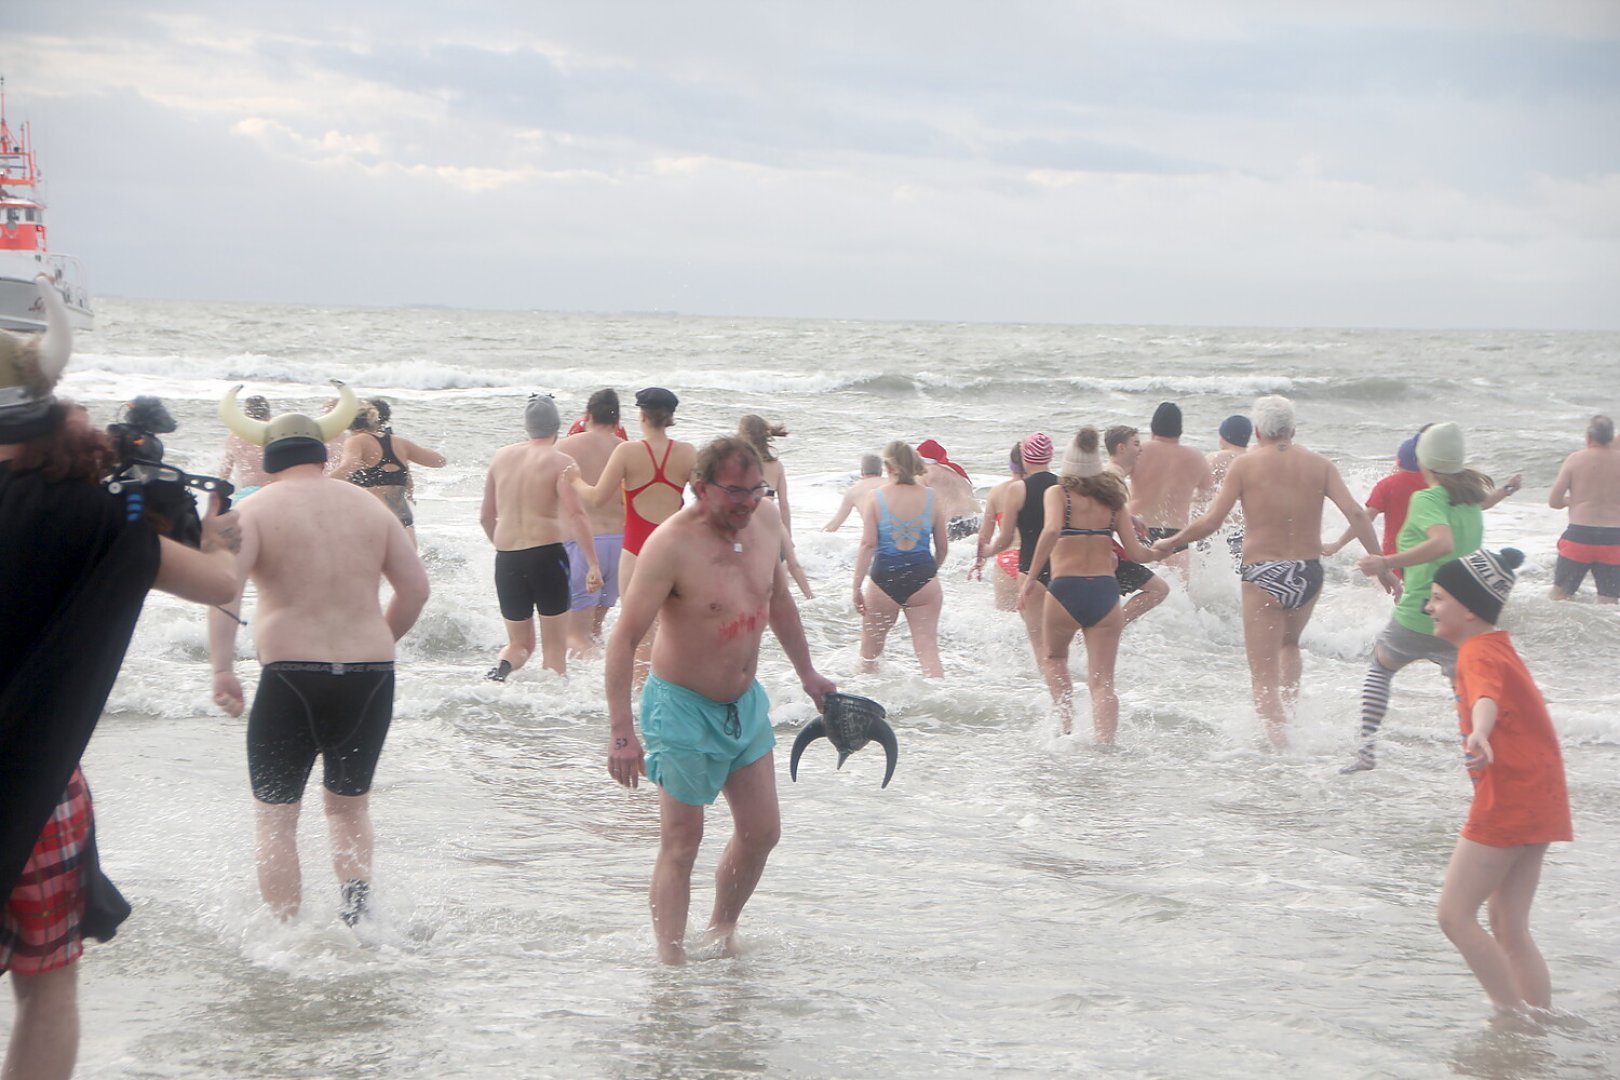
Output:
(532, 579)
(309, 709)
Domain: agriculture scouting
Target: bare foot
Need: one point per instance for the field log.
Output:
(721, 943)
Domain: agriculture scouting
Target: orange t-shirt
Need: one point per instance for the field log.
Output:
(1521, 797)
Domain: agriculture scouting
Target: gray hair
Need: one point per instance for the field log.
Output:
(1273, 416)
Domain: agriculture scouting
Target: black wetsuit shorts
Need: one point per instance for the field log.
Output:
(309, 709)
(532, 579)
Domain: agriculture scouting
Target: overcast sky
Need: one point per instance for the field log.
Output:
(1411, 163)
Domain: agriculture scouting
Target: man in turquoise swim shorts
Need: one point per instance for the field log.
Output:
(712, 578)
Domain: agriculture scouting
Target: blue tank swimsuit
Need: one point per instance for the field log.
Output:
(900, 573)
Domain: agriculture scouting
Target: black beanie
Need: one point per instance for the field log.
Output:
(1481, 581)
(1167, 420)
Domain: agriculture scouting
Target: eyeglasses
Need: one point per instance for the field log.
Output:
(738, 494)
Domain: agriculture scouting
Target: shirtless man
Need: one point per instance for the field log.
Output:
(317, 549)
(1589, 487)
(713, 576)
(1124, 446)
(859, 492)
(528, 494)
(1281, 486)
(1166, 477)
(590, 449)
(952, 488)
(1233, 439)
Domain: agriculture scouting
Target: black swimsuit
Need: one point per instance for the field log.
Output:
(380, 475)
(1031, 520)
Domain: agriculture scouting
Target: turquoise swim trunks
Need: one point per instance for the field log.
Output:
(694, 743)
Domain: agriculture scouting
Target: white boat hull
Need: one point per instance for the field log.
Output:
(20, 305)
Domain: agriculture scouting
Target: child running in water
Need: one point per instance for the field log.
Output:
(1520, 802)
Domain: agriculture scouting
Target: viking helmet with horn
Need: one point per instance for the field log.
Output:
(30, 368)
(291, 438)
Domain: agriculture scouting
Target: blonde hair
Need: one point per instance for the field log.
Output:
(904, 460)
(759, 432)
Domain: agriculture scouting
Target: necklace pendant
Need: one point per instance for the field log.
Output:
(737, 547)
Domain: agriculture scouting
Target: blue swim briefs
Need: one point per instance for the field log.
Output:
(694, 743)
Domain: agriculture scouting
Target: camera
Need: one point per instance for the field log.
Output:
(160, 493)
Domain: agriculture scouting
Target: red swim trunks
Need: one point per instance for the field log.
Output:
(39, 924)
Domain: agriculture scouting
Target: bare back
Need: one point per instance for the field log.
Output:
(319, 548)
(523, 494)
(1590, 483)
(1082, 556)
(591, 450)
(244, 461)
(1281, 488)
(955, 495)
(719, 602)
(1163, 482)
(636, 462)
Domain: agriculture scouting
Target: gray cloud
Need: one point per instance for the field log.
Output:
(1153, 161)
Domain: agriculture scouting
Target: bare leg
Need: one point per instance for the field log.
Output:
(45, 1030)
(1290, 664)
(680, 831)
(1034, 617)
(1057, 632)
(1006, 587)
(1262, 639)
(1608, 599)
(756, 827)
(554, 643)
(1509, 915)
(276, 834)
(1507, 877)
(348, 824)
(519, 643)
(582, 629)
(922, 616)
(1560, 594)
(881, 613)
(1147, 598)
(1102, 649)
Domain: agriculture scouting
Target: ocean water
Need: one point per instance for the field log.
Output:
(1186, 904)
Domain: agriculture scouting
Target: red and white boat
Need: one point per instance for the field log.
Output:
(24, 252)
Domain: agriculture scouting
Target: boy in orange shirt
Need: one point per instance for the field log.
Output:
(1521, 803)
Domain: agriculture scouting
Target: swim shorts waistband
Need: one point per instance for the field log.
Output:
(334, 667)
(1591, 544)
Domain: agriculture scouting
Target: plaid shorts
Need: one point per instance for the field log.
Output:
(39, 925)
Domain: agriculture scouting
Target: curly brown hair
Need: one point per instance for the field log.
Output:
(70, 451)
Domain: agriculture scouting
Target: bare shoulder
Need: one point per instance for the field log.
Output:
(505, 454)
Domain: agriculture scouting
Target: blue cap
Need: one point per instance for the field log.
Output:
(1406, 456)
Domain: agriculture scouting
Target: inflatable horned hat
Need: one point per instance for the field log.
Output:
(850, 722)
(291, 438)
(30, 368)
